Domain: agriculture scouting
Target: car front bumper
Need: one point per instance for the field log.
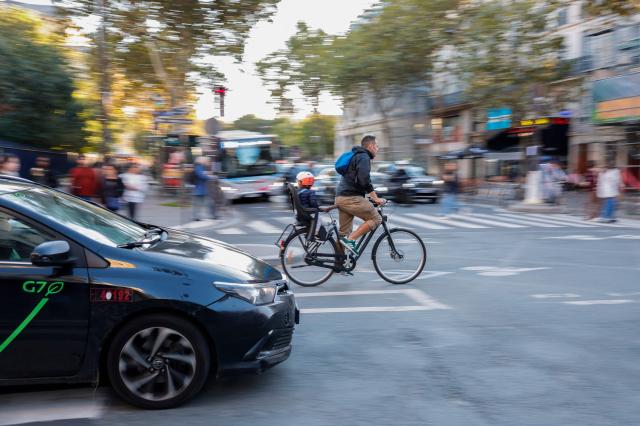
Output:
(248, 338)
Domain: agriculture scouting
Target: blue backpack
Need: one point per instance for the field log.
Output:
(342, 163)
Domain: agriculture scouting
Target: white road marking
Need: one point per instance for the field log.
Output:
(594, 223)
(49, 410)
(523, 220)
(552, 221)
(423, 276)
(416, 223)
(598, 302)
(445, 222)
(472, 218)
(633, 293)
(593, 237)
(554, 295)
(499, 271)
(367, 309)
(230, 231)
(426, 302)
(568, 220)
(263, 227)
(629, 223)
(285, 220)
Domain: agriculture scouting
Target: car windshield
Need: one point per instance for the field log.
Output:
(90, 220)
(415, 171)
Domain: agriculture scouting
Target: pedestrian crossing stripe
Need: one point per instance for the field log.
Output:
(418, 221)
(444, 221)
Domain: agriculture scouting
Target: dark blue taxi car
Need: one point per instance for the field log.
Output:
(84, 292)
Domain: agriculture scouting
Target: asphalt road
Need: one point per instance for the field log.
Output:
(529, 324)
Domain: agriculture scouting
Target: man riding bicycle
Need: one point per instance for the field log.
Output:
(350, 195)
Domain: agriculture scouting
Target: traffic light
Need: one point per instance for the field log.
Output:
(221, 91)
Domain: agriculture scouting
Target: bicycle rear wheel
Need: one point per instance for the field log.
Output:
(399, 256)
(299, 259)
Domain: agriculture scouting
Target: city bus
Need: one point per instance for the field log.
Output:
(245, 162)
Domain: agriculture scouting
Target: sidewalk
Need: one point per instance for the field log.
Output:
(163, 209)
(573, 202)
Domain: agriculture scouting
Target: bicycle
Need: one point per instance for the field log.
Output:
(310, 259)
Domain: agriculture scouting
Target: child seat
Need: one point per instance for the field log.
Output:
(307, 218)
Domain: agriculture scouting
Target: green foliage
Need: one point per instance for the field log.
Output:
(251, 123)
(166, 45)
(314, 134)
(36, 87)
(303, 63)
(501, 53)
(618, 7)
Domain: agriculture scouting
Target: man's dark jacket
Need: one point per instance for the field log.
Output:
(357, 180)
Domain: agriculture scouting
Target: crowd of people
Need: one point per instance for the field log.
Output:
(115, 186)
(124, 186)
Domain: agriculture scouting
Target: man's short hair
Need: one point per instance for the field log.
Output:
(368, 141)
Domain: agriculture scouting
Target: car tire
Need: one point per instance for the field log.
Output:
(174, 374)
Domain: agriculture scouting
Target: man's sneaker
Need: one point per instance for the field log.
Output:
(349, 245)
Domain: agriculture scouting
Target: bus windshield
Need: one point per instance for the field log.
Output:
(240, 159)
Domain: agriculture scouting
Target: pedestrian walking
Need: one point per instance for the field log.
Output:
(608, 190)
(553, 179)
(135, 188)
(84, 182)
(42, 173)
(450, 189)
(112, 187)
(200, 192)
(589, 183)
(11, 165)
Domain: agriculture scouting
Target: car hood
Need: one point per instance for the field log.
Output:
(215, 256)
(422, 179)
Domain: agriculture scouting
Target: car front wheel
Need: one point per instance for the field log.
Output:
(158, 361)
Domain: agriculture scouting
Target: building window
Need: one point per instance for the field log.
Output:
(601, 49)
(562, 17)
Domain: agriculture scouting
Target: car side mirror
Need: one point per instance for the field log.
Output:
(52, 253)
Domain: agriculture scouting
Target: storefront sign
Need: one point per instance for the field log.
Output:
(617, 99)
(499, 118)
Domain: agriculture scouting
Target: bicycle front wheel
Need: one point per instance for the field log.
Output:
(308, 263)
(399, 256)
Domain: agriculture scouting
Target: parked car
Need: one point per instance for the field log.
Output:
(84, 290)
(327, 182)
(415, 185)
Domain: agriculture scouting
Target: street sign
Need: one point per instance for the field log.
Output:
(174, 112)
(173, 120)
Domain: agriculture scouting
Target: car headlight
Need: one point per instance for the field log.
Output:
(228, 188)
(438, 182)
(408, 185)
(257, 294)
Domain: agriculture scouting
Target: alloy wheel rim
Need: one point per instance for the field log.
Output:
(157, 363)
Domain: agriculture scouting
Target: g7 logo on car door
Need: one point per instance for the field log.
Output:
(37, 287)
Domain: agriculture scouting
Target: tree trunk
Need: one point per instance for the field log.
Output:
(105, 81)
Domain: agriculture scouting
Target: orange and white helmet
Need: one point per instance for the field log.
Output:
(305, 179)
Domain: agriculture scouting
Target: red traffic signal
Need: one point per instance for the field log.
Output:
(220, 90)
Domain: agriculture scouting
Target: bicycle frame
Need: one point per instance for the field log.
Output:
(311, 245)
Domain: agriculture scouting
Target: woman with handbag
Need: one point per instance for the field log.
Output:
(112, 187)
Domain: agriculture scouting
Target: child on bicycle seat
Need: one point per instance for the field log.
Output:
(306, 195)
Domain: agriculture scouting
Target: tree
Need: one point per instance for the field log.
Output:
(162, 46)
(618, 7)
(502, 53)
(37, 106)
(317, 133)
(303, 64)
(380, 56)
(251, 123)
